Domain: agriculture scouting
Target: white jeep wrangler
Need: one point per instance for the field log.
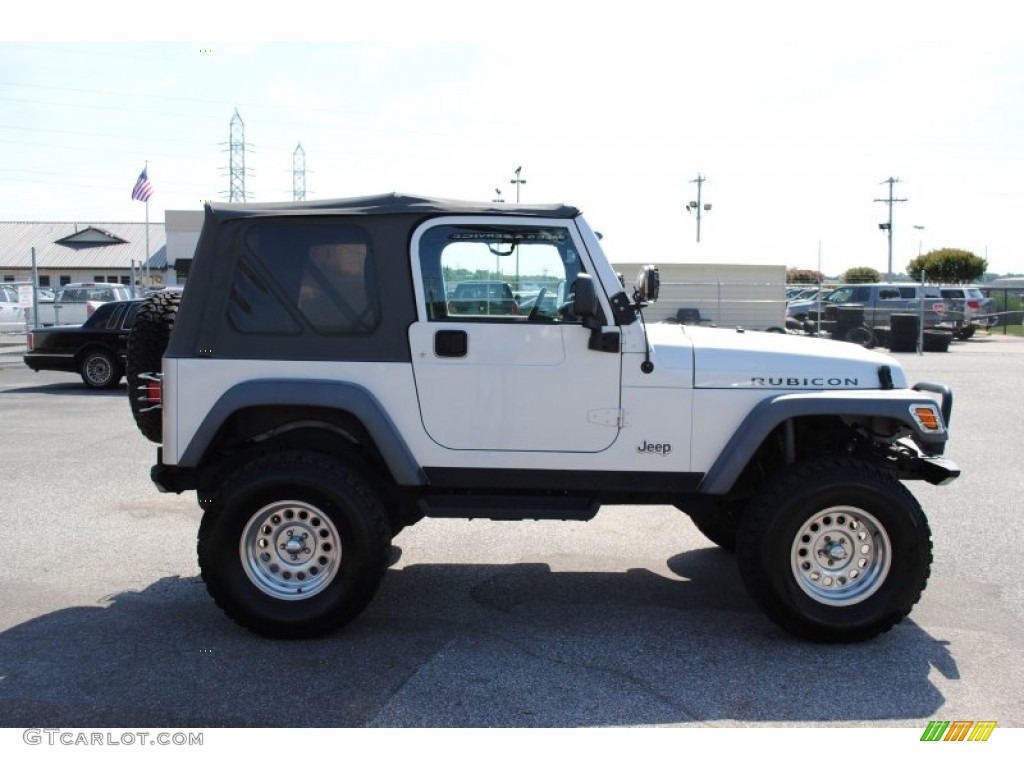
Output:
(317, 390)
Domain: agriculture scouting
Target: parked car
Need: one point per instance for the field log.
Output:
(968, 303)
(483, 297)
(95, 350)
(11, 313)
(314, 432)
(881, 300)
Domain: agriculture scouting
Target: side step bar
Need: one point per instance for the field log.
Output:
(506, 508)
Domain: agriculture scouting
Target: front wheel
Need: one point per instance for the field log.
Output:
(837, 550)
(293, 545)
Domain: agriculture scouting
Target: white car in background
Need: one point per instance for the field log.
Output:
(12, 316)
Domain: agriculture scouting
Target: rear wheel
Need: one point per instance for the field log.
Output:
(837, 550)
(100, 369)
(293, 545)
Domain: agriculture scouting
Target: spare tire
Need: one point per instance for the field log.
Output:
(860, 334)
(146, 344)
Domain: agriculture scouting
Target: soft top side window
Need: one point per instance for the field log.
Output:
(510, 273)
(295, 274)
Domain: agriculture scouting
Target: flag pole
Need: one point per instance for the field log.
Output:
(147, 244)
(147, 231)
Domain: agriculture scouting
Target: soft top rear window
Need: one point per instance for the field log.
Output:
(295, 274)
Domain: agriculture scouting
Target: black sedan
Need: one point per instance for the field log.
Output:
(95, 349)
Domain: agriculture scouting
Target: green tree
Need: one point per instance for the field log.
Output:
(861, 275)
(948, 265)
(804, 277)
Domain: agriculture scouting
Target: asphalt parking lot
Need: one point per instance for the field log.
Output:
(632, 619)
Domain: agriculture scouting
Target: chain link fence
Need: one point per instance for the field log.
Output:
(1009, 309)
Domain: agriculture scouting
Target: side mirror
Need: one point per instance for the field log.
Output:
(645, 289)
(584, 301)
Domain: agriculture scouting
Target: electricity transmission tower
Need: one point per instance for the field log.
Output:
(299, 173)
(236, 160)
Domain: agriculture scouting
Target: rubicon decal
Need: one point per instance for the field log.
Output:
(958, 730)
(798, 381)
(657, 449)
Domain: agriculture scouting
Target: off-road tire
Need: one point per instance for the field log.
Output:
(836, 550)
(302, 514)
(936, 341)
(862, 335)
(100, 369)
(146, 344)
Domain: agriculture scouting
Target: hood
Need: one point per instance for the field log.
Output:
(726, 358)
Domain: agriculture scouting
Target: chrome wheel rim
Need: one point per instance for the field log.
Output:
(98, 369)
(841, 556)
(290, 550)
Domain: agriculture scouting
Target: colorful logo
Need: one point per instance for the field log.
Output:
(958, 730)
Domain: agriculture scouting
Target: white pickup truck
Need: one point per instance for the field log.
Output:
(75, 303)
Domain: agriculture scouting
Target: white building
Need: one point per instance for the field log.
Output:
(76, 252)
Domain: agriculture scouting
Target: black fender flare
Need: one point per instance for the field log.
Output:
(773, 411)
(335, 395)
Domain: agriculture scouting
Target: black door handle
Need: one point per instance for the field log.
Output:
(451, 343)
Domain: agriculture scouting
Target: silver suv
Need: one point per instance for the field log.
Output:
(968, 304)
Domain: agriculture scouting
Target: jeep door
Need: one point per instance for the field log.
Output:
(522, 379)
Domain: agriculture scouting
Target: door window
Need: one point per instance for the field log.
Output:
(498, 274)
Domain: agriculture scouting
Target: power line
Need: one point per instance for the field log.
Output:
(149, 137)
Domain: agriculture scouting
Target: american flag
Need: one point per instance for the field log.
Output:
(143, 189)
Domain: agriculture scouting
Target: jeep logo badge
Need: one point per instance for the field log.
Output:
(657, 449)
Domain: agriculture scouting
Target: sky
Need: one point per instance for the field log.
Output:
(795, 113)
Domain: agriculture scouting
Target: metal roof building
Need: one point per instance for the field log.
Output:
(73, 252)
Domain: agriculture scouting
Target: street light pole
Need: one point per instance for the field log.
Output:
(920, 242)
(517, 181)
(696, 205)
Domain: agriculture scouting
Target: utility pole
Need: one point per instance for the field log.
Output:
(887, 226)
(696, 205)
(517, 181)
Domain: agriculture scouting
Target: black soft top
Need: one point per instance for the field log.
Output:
(393, 203)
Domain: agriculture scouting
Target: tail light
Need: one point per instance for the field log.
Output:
(150, 391)
(90, 307)
(31, 341)
(974, 304)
